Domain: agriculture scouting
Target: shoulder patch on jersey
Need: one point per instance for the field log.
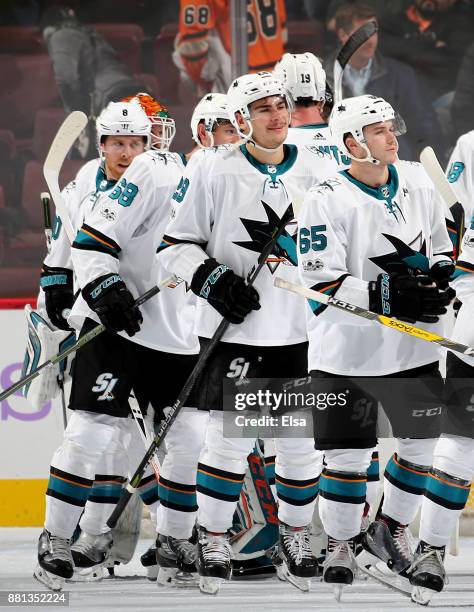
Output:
(316, 150)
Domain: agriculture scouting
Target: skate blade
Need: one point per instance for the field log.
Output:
(303, 584)
(172, 576)
(152, 572)
(209, 585)
(53, 582)
(422, 595)
(338, 588)
(383, 575)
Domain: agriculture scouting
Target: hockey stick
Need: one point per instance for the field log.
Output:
(391, 323)
(80, 343)
(356, 40)
(166, 424)
(144, 432)
(434, 170)
(70, 129)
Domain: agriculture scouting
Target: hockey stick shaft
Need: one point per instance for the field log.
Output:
(70, 129)
(144, 433)
(48, 228)
(130, 488)
(352, 44)
(391, 323)
(83, 340)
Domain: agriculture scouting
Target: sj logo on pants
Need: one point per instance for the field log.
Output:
(104, 384)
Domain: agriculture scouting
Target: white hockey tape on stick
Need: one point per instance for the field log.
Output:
(67, 134)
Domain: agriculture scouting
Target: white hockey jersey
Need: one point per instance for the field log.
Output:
(78, 197)
(227, 207)
(121, 234)
(349, 233)
(318, 135)
(460, 173)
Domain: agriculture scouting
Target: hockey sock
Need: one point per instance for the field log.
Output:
(404, 486)
(341, 502)
(373, 480)
(103, 497)
(444, 500)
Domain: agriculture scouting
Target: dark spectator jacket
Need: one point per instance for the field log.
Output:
(436, 65)
(462, 113)
(399, 85)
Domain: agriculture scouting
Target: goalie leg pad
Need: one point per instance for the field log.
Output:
(43, 343)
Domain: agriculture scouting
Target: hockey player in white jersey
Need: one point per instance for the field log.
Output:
(225, 210)
(375, 236)
(449, 481)
(305, 78)
(123, 132)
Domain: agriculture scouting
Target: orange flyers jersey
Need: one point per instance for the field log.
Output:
(266, 30)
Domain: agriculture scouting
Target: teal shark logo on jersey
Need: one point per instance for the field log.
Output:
(404, 258)
(261, 233)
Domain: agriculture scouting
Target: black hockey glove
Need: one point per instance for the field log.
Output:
(406, 297)
(225, 291)
(57, 284)
(110, 299)
(442, 272)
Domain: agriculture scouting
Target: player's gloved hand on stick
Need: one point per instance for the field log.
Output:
(409, 298)
(442, 272)
(110, 299)
(57, 284)
(225, 291)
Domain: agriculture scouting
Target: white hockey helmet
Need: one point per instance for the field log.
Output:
(159, 115)
(351, 115)
(249, 88)
(303, 75)
(211, 108)
(123, 119)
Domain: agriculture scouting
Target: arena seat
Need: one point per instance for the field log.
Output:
(126, 39)
(21, 40)
(47, 122)
(305, 36)
(166, 71)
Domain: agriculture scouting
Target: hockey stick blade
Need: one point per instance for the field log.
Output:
(80, 343)
(67, 134)
(354, 42)
(434, 170)
(131, 487)
(391, 323)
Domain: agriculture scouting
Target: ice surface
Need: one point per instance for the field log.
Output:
(136, 593)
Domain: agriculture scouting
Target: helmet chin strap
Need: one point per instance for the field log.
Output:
(250, 140)
(369, 159)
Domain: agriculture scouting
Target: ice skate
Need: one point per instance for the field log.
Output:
(214, 560)
(389, 541)
(427, 574)
(298, 564)
(89, 553)
(149, 562)
(176, 562)
(55, 563)
(340, 564)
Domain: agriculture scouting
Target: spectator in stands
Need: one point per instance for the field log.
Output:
(461, 109)
(88, 71)
(432, 36)
(369, 72)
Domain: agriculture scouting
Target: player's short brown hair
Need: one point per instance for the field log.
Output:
(346, 14)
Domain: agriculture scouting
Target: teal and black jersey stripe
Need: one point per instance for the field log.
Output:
(297, 492)
(462, 268)
(329, 288)
(90, 239)
(168, 241)
(218, 483)
(68, 488)
(345, 487)
(447, 491)
(177, 496)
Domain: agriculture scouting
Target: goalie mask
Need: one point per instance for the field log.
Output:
(162, 135)
(351, 115)
(122, 119)
(210, 110)
(303, 76)
(250, 88)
